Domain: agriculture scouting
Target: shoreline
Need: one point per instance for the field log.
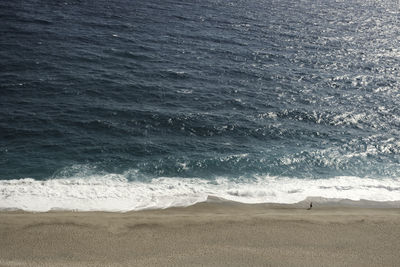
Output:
(213, 233)
(114, 192)
(320, 202)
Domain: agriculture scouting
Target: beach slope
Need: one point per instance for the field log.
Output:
(209, 234)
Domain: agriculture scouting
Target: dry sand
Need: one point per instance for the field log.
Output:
(206, 234)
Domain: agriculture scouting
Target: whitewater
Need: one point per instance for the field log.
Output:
(115, 193)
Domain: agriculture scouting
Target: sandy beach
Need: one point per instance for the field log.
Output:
(206, 234)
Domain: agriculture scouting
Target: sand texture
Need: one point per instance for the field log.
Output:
(206, 234)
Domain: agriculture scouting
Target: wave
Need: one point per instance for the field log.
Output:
(114, 192)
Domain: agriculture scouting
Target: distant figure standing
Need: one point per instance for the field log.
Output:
(310, 206)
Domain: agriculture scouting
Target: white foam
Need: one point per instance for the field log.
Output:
(114, 192)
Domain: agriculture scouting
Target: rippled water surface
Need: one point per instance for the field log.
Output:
(200, 89)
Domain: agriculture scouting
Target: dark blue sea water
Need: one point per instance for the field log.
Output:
(201, 95)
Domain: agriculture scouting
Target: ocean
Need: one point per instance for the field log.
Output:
(122, 105)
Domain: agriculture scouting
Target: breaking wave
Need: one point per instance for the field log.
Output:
(114, 192)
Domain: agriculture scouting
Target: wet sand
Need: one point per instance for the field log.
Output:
(206, 234)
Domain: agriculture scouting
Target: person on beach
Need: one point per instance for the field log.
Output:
(310, 206)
